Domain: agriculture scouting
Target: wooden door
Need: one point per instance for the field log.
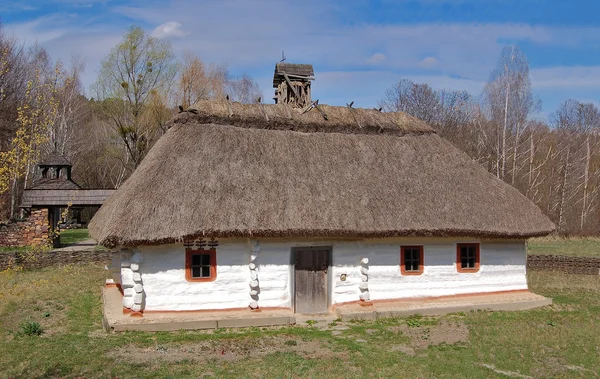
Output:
(311, 266)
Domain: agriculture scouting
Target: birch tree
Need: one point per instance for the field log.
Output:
(509, 101)
(244, 89)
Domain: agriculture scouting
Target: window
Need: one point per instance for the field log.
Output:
(411, 260)
(200, 265)
(467, 257)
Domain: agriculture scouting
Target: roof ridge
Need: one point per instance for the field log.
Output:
(340, 119)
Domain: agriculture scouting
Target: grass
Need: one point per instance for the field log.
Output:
(562, 340)
(575, 246)
(5, 249)
(72, 236)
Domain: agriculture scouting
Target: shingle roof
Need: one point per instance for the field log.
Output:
(54, 184)
(73, 197)
(55, 159)
(292, 69)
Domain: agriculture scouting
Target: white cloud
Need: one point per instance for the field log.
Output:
(376, 58)
(353, 61)
(167, 30)
(566, 77)
(366, 88)
(428, 62)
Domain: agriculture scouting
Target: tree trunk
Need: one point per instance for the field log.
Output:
(586, 175)
(515, 148)
(531, 155)
(504, 130)
(561, 208)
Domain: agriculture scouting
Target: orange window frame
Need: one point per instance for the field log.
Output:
(459, 267)
(403, 269)
(188, 265)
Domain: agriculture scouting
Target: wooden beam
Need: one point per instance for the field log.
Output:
(321, 110)
(301, 77)
(289, 82)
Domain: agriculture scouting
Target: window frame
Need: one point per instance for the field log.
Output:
(459, 267)
(188, 264)
(403, 270)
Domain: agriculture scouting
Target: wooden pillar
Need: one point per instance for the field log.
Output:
(53, 219)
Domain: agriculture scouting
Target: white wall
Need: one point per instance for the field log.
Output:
(165, 286)
(163, 272)
(502, 269)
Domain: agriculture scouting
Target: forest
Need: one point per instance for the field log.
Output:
(107, 130)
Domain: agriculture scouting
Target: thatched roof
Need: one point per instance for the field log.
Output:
(217, 175)
(325, 118)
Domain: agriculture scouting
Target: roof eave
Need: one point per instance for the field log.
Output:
(113, 241)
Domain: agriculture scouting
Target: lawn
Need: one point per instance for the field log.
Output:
(562, 340)
(575, 246)
(72, 236)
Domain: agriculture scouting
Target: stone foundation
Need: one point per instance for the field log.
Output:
(32, 232)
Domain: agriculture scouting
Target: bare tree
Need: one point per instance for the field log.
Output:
(244, 89)
(418, 100)
(509, 101)
(580, 125)
(198, 82)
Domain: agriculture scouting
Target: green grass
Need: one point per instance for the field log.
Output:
(575, 246)
(4, 249)
(562, 340)
(72, 236)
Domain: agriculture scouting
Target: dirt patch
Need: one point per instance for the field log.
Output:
(564, 307)
(510, 374)
(227, 350)
(445, 332)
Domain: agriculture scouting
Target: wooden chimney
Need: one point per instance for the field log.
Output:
(292, 84)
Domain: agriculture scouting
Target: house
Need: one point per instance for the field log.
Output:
(306, 208)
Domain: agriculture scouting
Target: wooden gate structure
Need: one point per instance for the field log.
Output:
(56, 190)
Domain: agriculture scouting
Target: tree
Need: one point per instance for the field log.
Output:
(14, 74)
(198, 82)
(509, 101)
(72, 111)
(140, 68)
(34, 118)
(417, 100)
(244, 89)
(579, 126)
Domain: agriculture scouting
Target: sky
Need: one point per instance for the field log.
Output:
(358, 48)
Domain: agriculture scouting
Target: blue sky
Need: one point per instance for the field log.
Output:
(358, 48)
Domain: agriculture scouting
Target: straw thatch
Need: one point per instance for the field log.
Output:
(284, 117)
(204, 177)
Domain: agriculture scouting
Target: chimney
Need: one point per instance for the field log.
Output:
(292, 84)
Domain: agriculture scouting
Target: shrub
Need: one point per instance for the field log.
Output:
(31, 328)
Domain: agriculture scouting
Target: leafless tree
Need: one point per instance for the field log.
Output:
(509, 101)
(244, 89)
